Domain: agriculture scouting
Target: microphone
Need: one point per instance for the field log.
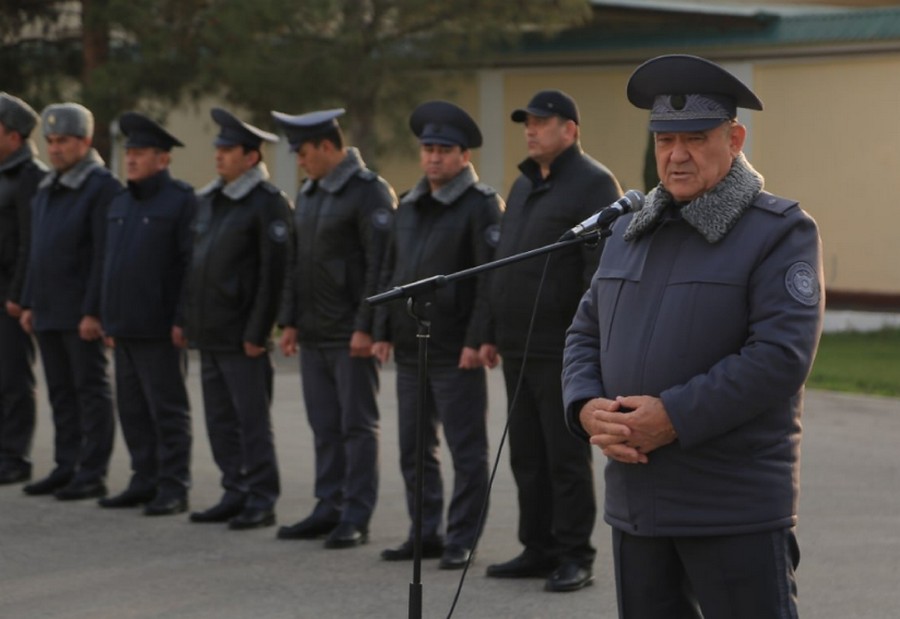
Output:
(631, 201)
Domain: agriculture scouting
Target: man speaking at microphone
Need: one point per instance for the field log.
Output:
(686, 361)
(559, 187)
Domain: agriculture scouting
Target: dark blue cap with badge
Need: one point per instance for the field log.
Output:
(143, 132)
(304, 127)
(688, 93)
(548, 103)
(442, 122)
(235, 132)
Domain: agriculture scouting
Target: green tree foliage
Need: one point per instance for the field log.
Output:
(110, 55)
(373, 57)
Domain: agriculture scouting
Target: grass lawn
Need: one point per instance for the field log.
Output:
(859, 363)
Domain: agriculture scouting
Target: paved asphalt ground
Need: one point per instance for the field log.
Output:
(78, 561)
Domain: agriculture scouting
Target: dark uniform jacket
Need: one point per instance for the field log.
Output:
(20, 174)
(148, 248)
(342, 223)
(439, 233)
(241, 244)
(68, 229)
(537, 213)
(715, 308)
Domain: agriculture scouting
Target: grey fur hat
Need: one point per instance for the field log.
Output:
(68, 119)
(16, 115)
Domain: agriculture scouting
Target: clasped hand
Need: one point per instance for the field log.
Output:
(628, 428)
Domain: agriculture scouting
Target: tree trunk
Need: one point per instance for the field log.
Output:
(362, 130)
(95, 54)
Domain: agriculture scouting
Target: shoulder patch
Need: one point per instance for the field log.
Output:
(366, 174)
(279, 230)
(802, 283)
(772, 203)
(485, 189)
(492, 235)
(381, 218)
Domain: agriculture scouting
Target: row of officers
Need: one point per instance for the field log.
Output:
(154, 268)
(681, 352)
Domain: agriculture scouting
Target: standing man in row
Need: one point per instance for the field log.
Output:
(148, 249)
(559, 187)
(342, 222)
(20, 173)
(242, 236)
(62, 297)
(686, 361)
(446, 223)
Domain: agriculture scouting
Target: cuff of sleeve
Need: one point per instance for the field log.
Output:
(573, 422)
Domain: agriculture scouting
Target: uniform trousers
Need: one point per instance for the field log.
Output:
(237, 397)
(80, 394)
(339, 393)
(457, 401)
(747, 576)
(552, 468)
(17, 392)
(154, 412)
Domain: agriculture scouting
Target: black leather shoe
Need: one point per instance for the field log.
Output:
(78, 490)
(128, 498)
(223, 511)
(166, 505)
(311, 527)
(569, 576)
(346, 535)
(252, 518)
(432, 548)
(526, 565)
(454, 557)
(50, 484)
(12, 474)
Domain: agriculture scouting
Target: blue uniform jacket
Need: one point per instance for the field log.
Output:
(148, 249)
(725, 334)
(537, 212)
(20, 174)
(241, 243)
(68, 226)
(440, 233)
(342, 223)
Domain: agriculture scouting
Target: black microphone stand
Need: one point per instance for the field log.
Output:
(418, 309)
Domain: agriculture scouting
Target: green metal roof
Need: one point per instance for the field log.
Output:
(683, 29)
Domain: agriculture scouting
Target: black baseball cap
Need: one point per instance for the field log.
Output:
(548, 103)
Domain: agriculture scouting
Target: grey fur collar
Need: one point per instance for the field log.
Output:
(447, 194)
(335, 180)
(714, 213)
(75, 176)
(241, 186)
